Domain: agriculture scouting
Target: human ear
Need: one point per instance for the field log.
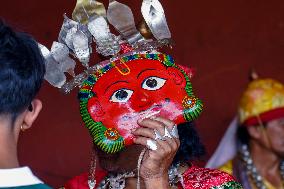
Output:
(31, 114)
(95, 109)
(177, 76)
(255, 132)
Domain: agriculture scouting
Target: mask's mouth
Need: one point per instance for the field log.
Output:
(151, 111)
(154, 109)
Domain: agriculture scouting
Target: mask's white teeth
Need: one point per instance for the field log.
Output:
(151, 114)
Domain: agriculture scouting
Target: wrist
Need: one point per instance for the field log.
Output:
(157, 183)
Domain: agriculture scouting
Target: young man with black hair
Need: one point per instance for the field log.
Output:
(21, 74)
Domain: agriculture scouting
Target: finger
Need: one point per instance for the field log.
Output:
(177, 142)
(145, 132)
(167, 148)
(153, 124)
(142, 140)
(145, 142)
(162, 152)
(160, 148)
(173, 143)
(170, 124)
(174, 131)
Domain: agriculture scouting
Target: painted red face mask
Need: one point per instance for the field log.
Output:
(135, 87)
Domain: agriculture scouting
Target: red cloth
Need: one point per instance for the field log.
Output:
(81, 181)
(194, 177)
(204, 178)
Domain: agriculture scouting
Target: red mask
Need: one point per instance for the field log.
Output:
(131, 88)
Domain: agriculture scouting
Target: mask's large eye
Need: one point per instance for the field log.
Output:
(121, 95)
(153, 83)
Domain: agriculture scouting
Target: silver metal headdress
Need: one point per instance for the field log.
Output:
(90, 24)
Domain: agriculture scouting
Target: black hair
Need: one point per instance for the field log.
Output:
(22, 69)
(191, 147)
(243, 135)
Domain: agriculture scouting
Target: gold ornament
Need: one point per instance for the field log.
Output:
(144, 30)
(85, 9)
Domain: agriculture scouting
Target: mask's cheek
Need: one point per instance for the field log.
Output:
(128, 137)
(126, 124)
(95, 109)
(173, 111)
(118, 116)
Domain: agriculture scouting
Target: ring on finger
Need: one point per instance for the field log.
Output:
(158, 135)
(167, 134)
(151, 144)
(174, 131)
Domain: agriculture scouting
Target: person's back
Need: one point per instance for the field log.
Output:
(21, 74)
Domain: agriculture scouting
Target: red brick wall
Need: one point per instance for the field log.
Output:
(222, 39)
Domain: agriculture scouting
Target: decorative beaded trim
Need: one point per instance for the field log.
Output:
(229, 185)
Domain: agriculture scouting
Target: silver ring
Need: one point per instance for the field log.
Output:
(152, 145)
(167, 134)
(157, 135)
(174, 131)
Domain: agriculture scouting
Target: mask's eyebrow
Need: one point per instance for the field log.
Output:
(114, 84)
(144, 71)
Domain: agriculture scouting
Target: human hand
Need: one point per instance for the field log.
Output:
(157, 161)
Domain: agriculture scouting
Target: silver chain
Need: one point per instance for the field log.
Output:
(252, 171)
(117, 181)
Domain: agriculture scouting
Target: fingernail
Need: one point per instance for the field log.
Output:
(139, 120)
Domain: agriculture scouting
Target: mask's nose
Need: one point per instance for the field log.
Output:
(142, 101)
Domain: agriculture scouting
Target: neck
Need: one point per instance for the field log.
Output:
(272, 160)
(8, 146)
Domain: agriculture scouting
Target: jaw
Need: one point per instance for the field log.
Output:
(125, 160)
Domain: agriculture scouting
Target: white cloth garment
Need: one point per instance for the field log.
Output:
(22, 176)
(227, 148)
